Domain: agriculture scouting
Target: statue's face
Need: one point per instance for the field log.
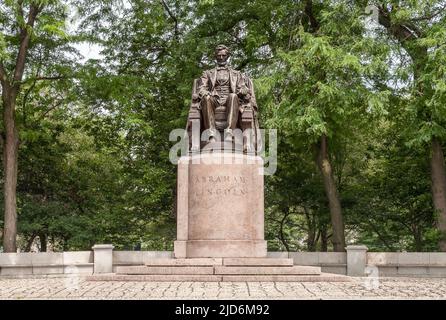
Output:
(222, 57)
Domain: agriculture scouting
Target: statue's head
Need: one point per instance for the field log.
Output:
(222, 54)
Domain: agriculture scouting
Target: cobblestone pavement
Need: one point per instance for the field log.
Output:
(360, 288)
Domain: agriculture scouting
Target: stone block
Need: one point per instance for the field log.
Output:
(296, 270)
(388, 271)
(164, 270)
(48, 269)
(437, 271)
(148, 255)
(180, 249)
(185, 262)
(157, 278)
(139, 257)
(77, 257)
(226, 248)
(356, 260)
(78, 269)
(103, 258)
(305, 258)
(382, 258)
(334, 269)
(437, 259)
(16, 270)
(220, 206)
(47, 258)
(286, 278)
(128, 257)
(326, 258)
(10, 259)
(257, 262)
(278, 255)
(412, 271)
(183, 200)
(413, 258)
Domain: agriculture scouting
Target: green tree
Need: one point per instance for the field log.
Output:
(29, 30)
(419, 29)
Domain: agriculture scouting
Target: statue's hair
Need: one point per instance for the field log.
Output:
(222, 47)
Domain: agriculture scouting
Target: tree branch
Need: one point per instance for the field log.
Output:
(49, 78)
(172, 16)
(3, 74)
(314, 24)
(430, 16)
(25, 37)
(25, 100)
(405, 33)
(402, 32)
(41, 78)
(54, 106)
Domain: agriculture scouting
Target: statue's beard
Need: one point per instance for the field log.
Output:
(222, 63)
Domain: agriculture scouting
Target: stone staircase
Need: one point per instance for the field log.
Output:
(219, 269)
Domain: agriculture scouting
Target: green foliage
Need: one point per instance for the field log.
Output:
(93, 159)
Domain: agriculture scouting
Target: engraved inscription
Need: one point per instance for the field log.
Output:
(224, 185)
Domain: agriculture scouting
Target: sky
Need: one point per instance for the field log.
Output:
(89, 51)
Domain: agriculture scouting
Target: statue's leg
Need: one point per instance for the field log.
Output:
(232, 113)
(208, 105)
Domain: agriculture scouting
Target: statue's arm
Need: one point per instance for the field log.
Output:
(203, 88)
(246, 91)
(242, 88)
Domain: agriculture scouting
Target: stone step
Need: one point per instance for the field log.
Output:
(185, 262)
(258, 262)
(254, 270)
(155, 277)
(164, 270)
(324, 277)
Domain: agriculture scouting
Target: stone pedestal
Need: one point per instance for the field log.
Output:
(356, 260)
(220, 210)
(103, 258)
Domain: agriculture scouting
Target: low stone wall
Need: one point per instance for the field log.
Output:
(393, 264)
(330, 262)
(356, 261)
(46, 263)
(126, 258)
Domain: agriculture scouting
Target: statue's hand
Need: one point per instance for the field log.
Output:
(195, 97)
(203, 93)
(243, 91)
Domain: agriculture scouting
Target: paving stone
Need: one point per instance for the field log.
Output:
(358, 288)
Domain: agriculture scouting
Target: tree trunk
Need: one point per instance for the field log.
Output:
(281, 233)
(324, 239)
(43, 242)
(438, 179)
(10, 149)
(334, 204)
(30, 243)
(418, 239)
(312, 232)
(10, 89)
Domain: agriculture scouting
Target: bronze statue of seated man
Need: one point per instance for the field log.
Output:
(222, 92)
